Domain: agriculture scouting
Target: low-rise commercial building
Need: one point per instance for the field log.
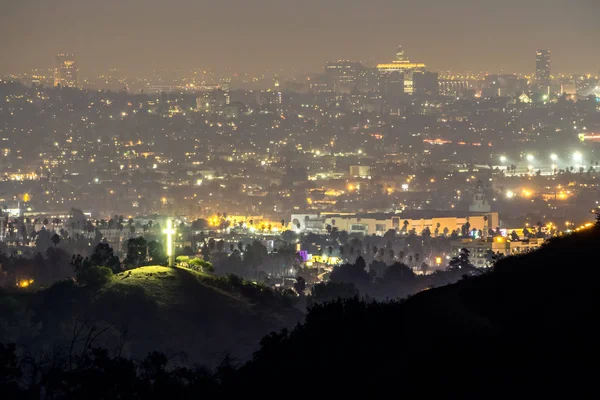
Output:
(438, 222)
(483, 251)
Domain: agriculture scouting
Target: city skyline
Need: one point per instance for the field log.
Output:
(183, 35)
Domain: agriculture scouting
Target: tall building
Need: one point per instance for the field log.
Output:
(503, 85)
(403, 66)
(343, 76)
(542, 71)
(426, 83)
(66, 71)
(455, 87)
(209, 101)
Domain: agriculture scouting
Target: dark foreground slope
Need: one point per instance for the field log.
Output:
(147, 309)
(530, 326)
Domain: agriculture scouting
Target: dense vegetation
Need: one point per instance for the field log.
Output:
(529, 327)
(149, 308)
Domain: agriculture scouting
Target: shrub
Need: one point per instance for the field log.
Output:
(95, 276)
(198, 264)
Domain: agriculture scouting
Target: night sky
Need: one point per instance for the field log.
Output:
(137, 36)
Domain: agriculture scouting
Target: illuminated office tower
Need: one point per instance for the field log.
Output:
(65, 73)
(542, 71)
(403, 67)
(342, 76)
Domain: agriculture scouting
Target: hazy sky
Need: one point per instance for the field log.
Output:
(250, 35)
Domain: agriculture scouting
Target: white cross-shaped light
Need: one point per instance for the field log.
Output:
(169, 231)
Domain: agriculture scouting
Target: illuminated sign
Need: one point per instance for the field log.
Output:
(591, 137)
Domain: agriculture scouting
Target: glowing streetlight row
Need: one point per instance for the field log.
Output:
(577, 157)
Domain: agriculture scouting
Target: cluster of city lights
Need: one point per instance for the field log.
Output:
(576, 156)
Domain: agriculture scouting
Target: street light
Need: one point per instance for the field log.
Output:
(529, 157)
(502, 159)
(577, 156)
(553, 157)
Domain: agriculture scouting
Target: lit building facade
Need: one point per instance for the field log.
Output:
(343, 76)
(426, 83)
(503, 86)
(482, 250)
(403, 66)
(438, 222)
(542, 71)
(66, 72)
(455, 87)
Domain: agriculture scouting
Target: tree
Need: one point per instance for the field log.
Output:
(300, 286)
(461, 261)
(352, 273)
(404, 227)
(514, 236)
(156, 252)
(137, 250)
(55, 239)
(335, 233)
(389, 236)
(95, 276)
(200, 224)
(398, 273)
(103, 255)
(254, 255)
(466, 228)
(330, 291)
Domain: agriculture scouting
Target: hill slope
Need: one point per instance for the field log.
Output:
(530, 324)
(171, 310)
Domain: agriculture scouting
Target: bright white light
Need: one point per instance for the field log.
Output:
(553, 157)
(502, 159)
(510, 194)
(169, 231)
(577, 156)
(529, 157)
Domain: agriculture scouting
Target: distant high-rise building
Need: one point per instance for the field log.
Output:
(426, 83)
(212, 99)
(542, 71)
(403, 66)
(66, 71)
(455, 87)
(343, 76)
(503, 85)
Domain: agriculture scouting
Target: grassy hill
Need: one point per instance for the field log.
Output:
(157, 308)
